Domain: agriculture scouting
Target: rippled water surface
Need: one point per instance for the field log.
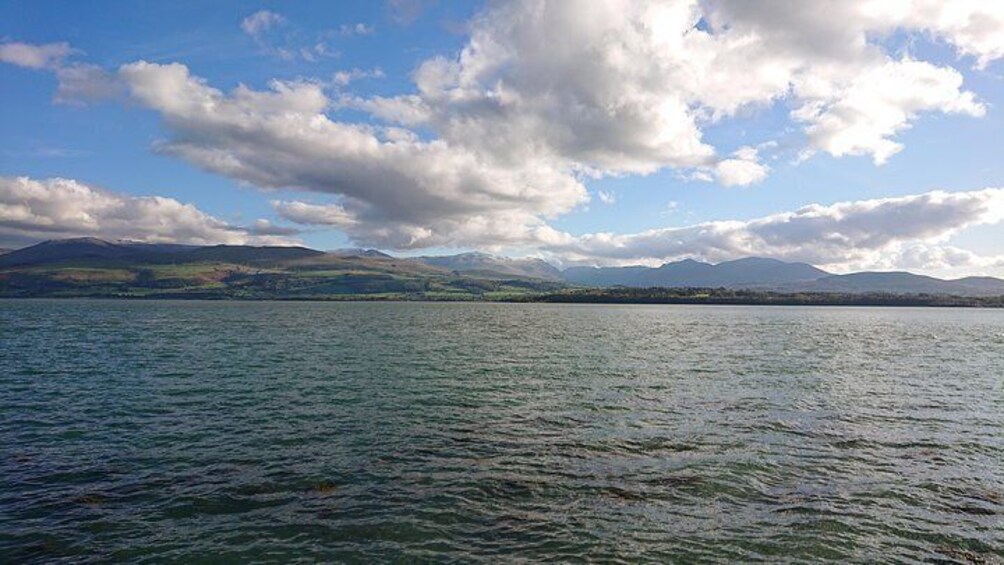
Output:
(169, 431)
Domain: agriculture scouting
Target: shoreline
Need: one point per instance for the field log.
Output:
(823, 299)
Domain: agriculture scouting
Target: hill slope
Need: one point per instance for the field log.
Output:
(92, 267)
(89, 248)
(899, 283)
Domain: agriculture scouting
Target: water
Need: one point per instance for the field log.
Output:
(172, 431)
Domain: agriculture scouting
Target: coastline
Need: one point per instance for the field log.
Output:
(689, 297)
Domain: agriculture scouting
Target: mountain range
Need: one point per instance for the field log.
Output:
(749, 272)
(778, 276)
(94, 267)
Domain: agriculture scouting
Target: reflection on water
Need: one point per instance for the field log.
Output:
(169, 430)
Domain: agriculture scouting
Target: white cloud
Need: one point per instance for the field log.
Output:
(940, 260)
(401, 192)
(407, 110)
(844, 236)
(265, 227)
(47, 56)
(627, 87)
(863, 117)
(853, 97)
(743, 169)
(605, 94)
(260, 22)
(332, 215)
(974, 27)
(33, 210)
(606, 196)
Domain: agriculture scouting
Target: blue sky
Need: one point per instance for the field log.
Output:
(591, 181)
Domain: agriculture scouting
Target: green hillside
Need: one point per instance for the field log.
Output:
(93, 268)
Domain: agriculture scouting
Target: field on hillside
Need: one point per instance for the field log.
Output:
(349, 279)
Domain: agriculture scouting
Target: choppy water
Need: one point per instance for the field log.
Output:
(170, 431)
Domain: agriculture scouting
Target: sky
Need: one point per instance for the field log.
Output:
(854, 135)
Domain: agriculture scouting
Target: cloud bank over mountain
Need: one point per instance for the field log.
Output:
(33, 210)
(902, 232)
(880, 233)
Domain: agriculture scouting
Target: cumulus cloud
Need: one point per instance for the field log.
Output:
(260, 22)
(830, 67)
(401, 191)
(864, 116)
(604, 95)
(628, 87)
(606, 196)
(843, 236)
(33, 210)
(743, 169)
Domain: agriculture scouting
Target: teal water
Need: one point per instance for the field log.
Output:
(361, 432)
